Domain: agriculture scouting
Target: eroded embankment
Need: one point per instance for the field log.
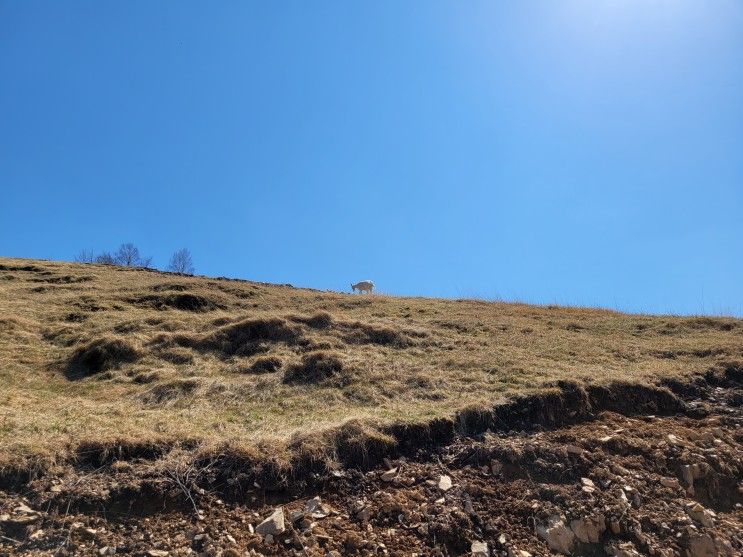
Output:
(573, 470)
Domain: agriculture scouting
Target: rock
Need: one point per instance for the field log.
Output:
(626, 549)
(687, 475)
(445, 483)
(273, 525)
(157, 553)
(559, 537)
(518, 553)
(589, 529)
(496, 467)
(587, 482)
(106, 550)
(333, 553)
(268, 538)
(389, 475)
(573, 449)
(702, 545)
(479, 549)
(56, 489)
(698, 513)
(669, 482)
(314, 508)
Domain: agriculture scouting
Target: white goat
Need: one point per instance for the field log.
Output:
(363, 286)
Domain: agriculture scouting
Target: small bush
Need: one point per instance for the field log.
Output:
(314, 368)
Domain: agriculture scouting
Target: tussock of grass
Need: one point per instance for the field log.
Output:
(100, 355)
(171, 391)
(182, 301)
(315, 367)
(265, 364)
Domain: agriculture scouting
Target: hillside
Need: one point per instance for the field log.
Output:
(92, 352)
(100, 364)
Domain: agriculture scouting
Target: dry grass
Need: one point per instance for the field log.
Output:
(91, 354)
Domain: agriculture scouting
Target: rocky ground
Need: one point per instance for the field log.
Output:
(614, 484)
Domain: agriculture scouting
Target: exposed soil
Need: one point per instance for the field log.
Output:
(617, 471)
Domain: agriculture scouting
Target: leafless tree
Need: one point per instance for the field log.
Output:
(127, 255)
(85, 256)
(181, 262)
(105, 258)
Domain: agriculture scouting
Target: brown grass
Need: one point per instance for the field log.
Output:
(94, 354)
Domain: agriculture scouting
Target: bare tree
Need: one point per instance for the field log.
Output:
(181, 262)
(85, 256)
(105, 258)
(127, 255)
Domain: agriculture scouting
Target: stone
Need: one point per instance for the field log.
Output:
(268, 538)
(445, 483)
(626, 549)
(389, 475)
(573, 449)
(687, 475)
(558, 536)
(496, 467)
(314, 508)
(698, 513)
(106, 550)
(273, 525)
(479, 549)
(587, 482)
(157, 553)
(589, 529)
(673, 483)
(518, 553)
(702, 546)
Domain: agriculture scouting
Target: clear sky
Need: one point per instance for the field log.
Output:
(575, 152)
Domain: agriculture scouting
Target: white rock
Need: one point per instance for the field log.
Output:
(559, 537)
(445, 483)
(273, 525)
(698, 513)
(518, 553)
(157, 553)
(389, 475)
(479, 549)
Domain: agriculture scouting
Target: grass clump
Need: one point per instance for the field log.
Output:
(100, 355)
(265, 364)
(315, 367)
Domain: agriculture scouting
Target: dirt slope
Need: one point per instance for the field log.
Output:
(132, 399)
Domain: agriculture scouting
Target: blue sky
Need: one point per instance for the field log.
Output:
(574, 152)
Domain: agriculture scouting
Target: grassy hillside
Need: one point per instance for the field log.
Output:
(92, 353)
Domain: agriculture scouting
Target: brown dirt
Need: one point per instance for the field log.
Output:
(633, 470)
